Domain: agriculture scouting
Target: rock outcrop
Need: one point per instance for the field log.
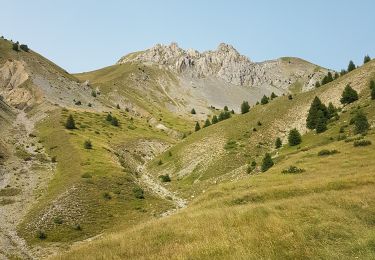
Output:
(227, 64)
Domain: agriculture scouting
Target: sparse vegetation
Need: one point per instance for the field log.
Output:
(87, 144)
(165, 178)
(326, 152)
(361, 143)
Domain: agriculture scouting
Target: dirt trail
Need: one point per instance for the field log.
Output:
(19, 179)
(148, 180)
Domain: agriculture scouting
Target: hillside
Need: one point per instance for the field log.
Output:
(102, 181)
(326, 211)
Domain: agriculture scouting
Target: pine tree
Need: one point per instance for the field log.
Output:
(266, 162)
(349, 95)
(214, 119)
(343, 72)
(197, 127)
(366, 59)
(273, 95)
(15, 46)
(332, 110)
(226, 108)
(24, 47)
(278, 143)
(245, 107)
(373, 91)
(193, 111)
(317, 84)
(70, 124)
(108, 117)
(351, 66)
(312, 117)
(361, 123)
(294, 137)
(118, 106)
(264, 100)
(207, 123)
(336, 75)
(321, 123)
(372, 84)
(114, 121)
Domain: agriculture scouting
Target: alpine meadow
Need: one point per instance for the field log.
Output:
(181, 153)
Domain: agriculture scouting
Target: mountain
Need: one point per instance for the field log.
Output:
(136, 180)
(224, 76)
(317, 201)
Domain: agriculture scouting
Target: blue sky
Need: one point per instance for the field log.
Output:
(84, 35)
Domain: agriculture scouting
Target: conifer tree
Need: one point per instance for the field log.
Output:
(278, 143)
(197, 127)
(193, 111)
(321, 122)
(226, 108)
(207, 123)
(351, 66)
(336, 75)
(349, 95)
(373, 93)
(245, 107)
(264, 100)
(312, 117)
(214, 119)
(108, 117)
(294, 137)
(114, 121)
(70, 124)
(266, 162)
(361, 123)
(273, 95)
(366, 59)
(317, 84)
(332, 110)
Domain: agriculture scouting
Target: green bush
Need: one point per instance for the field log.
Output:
(24, 47)
(327, 152)
(107, 196)
(114, 121)
(292, 170)
(138, 193)
(87, 144)
(70, 124)
(361, 143)
(58, 220)
(41, 234)
(86, 175)
(165, 178)
(267, 162)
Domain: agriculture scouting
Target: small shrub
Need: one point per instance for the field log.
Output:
(53, 159)
(259, 123)
(267, 162)
(93, 93)
(24, 47)
(58, 220)
(77, 227)
(138, 193)
(108, 118)
(41, 235)
(292, 170)
(361, 143)
(78, 103)
(160, 162)
(107, 196)
(87, 144)
(114, 121)
(70, 124)
(327, 152)
(86, 175)
(165, 178)
(231, 144)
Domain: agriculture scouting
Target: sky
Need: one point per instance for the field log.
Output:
(81, 35)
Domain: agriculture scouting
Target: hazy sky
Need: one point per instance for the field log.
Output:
(85, 35)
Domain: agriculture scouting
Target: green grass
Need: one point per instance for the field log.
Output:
(325, 212)
(83, 176)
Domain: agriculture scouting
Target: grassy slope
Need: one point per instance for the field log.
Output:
(140, 85)
(326, 212)
(83, 176)
(223, 162)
